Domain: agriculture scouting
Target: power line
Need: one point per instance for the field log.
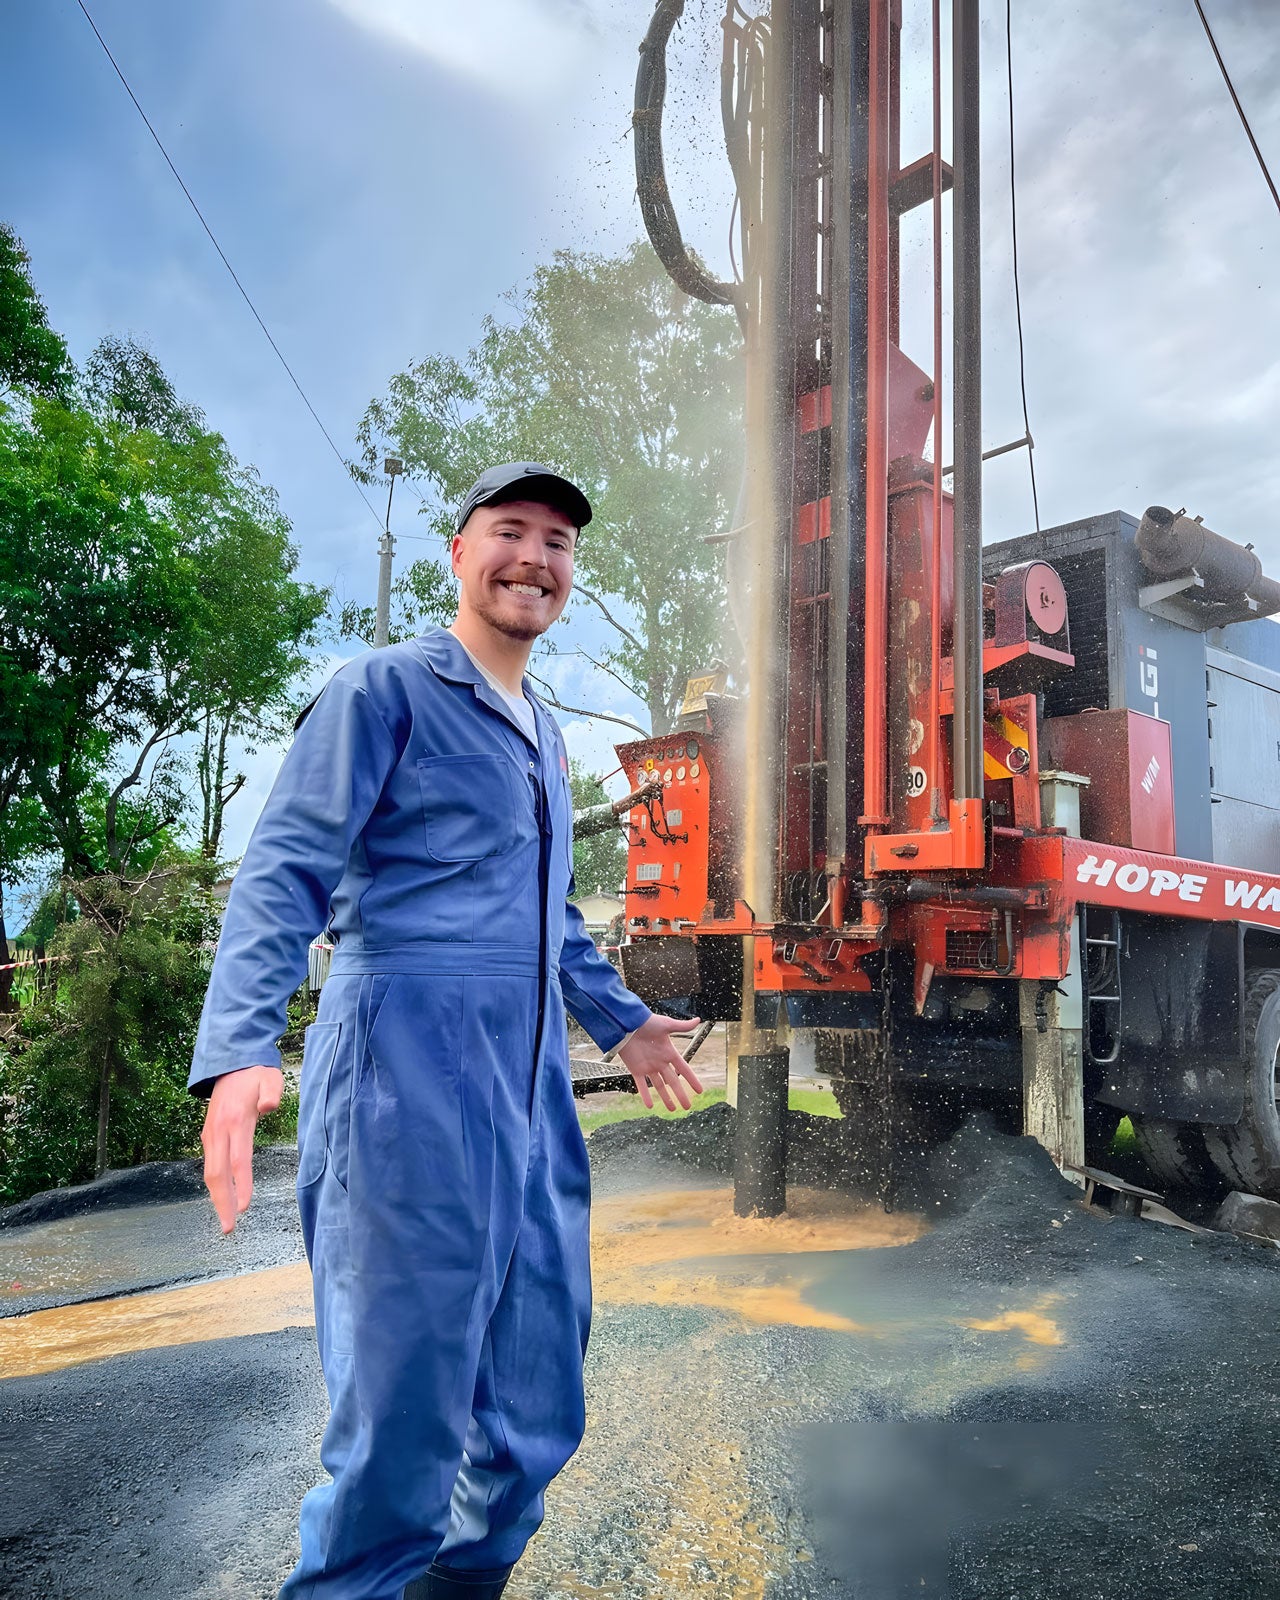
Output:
(1017, 293)
(244, 293)
(1235, 98)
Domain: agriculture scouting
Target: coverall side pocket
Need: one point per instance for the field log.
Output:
(468, 806)
(319, 1049)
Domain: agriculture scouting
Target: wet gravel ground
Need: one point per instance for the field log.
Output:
(1030, 1401)
(1136, 1457)
(144, 1229)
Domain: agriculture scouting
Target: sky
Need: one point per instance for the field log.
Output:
(381, 172)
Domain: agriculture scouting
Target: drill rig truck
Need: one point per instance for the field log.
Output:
(1000, 825)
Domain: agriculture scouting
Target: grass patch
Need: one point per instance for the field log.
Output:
(281, 1125)
(817, 1102)
(632, 1108)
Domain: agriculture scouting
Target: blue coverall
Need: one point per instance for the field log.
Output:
(442, 1175)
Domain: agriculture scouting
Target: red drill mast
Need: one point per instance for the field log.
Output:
(869, 843)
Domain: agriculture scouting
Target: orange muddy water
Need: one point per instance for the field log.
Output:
(686, 1247)
(666, 1247)
(64, 1336)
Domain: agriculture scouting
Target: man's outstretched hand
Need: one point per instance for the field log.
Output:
(652, 1058)
(237, 1101)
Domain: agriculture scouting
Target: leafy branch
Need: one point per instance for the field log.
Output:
(552, 698)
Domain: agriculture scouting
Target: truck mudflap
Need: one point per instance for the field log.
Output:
(1187, 1089)
(1181, 1054)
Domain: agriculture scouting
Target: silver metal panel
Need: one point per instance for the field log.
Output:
(1244, 759)
(1246, 835)
(1238, 667)
(1244, 739)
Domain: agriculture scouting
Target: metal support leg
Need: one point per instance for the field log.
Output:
(1053, 1066)
(760, 1135)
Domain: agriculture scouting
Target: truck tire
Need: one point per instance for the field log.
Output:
(1248, 1155)
(1177, 1155)
(1100, 1124)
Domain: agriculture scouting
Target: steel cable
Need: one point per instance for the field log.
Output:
(1017, 293)
(244, 293)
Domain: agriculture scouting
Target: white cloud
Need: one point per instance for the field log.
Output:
(523, 49)
(591, 740)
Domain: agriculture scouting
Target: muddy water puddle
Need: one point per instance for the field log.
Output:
(82, 1253)
(64, 1336)
(819, 1266)
(686, 1247)
(660, 1247)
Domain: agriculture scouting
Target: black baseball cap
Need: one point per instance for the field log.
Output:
(526, 480)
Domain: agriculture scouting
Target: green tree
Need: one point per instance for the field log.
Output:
(122, 378)
(606, 371)
(32, 356)
(33, 359)
(600, 860)
(122, 1017)
(21, 840)
(149, 617)
(258, 624)
(146, 595)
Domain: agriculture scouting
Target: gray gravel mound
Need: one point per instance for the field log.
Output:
(817, 1152)
(134, 1186)
(151, 1184)
(934, 1448)
(703, 1140)
(976, 1166)
(129, 1477)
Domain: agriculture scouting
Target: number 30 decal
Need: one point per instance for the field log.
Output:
(917, 781)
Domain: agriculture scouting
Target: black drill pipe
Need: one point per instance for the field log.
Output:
(656, 206)
(966, 230)
(760, 1136)
(981, 896)
(846, 552)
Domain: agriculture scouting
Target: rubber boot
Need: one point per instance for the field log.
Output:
(448, 1583)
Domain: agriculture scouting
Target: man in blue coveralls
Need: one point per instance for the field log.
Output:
(423, 815)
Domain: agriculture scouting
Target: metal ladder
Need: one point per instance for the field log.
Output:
(1107, 994)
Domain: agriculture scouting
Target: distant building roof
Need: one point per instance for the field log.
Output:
(599, 910)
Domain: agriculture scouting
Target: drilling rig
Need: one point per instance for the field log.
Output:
(1000, 825)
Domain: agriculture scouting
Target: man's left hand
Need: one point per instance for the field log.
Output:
(651, 1057)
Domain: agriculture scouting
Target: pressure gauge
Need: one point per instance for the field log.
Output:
(691, 749)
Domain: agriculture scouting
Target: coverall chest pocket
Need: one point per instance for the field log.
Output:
(468, 805)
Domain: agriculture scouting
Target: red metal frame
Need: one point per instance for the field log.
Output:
(876, 602)
(934, 724)
(1171, 886)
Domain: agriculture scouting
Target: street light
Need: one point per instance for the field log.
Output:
(392, 466)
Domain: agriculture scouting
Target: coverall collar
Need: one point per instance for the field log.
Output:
(449, 660)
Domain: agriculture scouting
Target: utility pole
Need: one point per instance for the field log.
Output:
(392, 466)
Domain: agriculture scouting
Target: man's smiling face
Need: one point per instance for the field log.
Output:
(514, 563)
